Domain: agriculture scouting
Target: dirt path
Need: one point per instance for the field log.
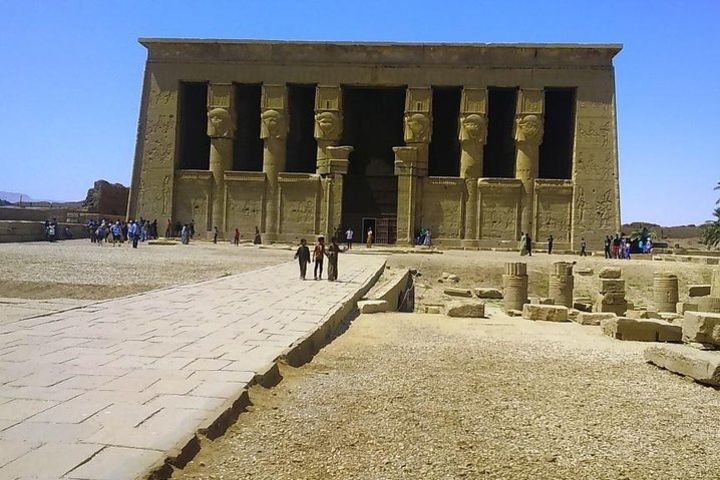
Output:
(424, 396)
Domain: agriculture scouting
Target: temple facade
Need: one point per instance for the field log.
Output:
(475, 142)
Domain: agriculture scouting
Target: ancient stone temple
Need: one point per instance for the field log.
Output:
(475, 142)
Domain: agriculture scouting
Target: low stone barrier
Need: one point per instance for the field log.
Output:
(465, 308)
(395, 292)
(32, 231)
(701, 327)
(594, 319)
(645, 330)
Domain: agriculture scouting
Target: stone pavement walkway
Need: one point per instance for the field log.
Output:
(112, 389)
(14, 309)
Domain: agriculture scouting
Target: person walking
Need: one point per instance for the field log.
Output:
(550, 244)
(257, 240)
(116, 230)
(215, 234)
(583, 247)
(370, 238)
(303, 257)
(349, 237)
(318, 257)
(134, 233)
(168, 229)
(523, 244)
(185, 235)
(236, 240)
(606, 246)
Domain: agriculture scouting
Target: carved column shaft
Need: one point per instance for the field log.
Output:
(221, 130)
(273, 131)
(473, 133)
(528, 137)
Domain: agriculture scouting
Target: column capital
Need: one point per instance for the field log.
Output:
(529, 130)
(221, 110)
(336, 162)
(418, 115)
(408, 162)
(273, 116)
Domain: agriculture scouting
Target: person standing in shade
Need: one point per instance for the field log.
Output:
(523, 244)
(236, 239)
(583, 247)
(191, 228)
(349, 237)
(215, 234)
(606, 246)
(257, 240)
(550, 244)
(303, 257)
(185, 235)
(318, 257)
(528, 244)
(332, 252)
(370, 238)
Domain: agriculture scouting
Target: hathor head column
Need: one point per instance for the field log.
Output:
(472, 136)
(328, 123)
(411, 161)
(528, 137)
(273, 131)
(221, 130)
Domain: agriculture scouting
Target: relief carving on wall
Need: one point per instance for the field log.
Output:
(417, 128)
(498, 215)
(328, 126)
(273, 125)
(594, 132)
(220, 123)
(528, 129)
(553, 217)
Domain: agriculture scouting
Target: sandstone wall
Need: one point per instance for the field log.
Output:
(29, 231)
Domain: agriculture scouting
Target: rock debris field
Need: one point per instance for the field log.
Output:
(425, 396)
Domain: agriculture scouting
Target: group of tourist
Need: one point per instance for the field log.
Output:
(620, 246)
(118, 232)
(320, 252)
(423, 237)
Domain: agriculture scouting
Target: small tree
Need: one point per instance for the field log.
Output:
(711, 229)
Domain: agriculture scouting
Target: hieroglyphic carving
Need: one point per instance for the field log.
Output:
(191, 201)
(498, 214)
(553, 216)
(531, 101)
(245, 199)
(442, 206)
(594, 132)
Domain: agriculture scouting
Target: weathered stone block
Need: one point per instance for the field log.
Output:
(701, 327)
(548, 313)
(542, 301)
(458, 292)
(708, 304)
(585, 318)
(612, 285)
(715, 283)
(682, 307)
(646, 330)
(583, 306)
(610, 272)
(699, 290)
(585, 272)
(468, 308)
(701, 366)
(373, 306)
(489, 293)
(638, 314)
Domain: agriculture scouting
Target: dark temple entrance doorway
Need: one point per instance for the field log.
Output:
(373, 125)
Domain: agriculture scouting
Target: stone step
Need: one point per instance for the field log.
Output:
(702, 366)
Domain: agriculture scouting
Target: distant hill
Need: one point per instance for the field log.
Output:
(658, 231)
(13, 197)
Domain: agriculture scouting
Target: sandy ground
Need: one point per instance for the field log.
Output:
(81, 270)
(425, 396)
(485, 269)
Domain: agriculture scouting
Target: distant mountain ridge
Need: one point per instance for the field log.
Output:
(13, 197)
(676, 232)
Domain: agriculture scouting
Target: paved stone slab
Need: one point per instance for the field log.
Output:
(548, 313)
(465, 308)
(588, 318)
(109, 389)
(645, 330)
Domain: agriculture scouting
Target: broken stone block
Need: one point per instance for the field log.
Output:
(583, 305)
(584, 271)
(373, 306)
(670, 316)
(514, 313)
(683, 307)
(542, 301)
(586, 318)
(701, 366)
(612, 285)
(638, 314)
(434, 309)
(468, 309)
(489, 293)
(547, 313)
(573, 313)
(610, 272)
(701, 327)
(449, 277)
(643, 330)
(708, 304)
(458, 292)
(699, 290)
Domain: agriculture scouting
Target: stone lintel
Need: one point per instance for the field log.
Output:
(193, 175)
(499, 183)
(242, 176)
(560, 186)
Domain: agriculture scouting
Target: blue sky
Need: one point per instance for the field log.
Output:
(72, 72)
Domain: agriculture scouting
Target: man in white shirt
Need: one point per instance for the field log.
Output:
(349, 238)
